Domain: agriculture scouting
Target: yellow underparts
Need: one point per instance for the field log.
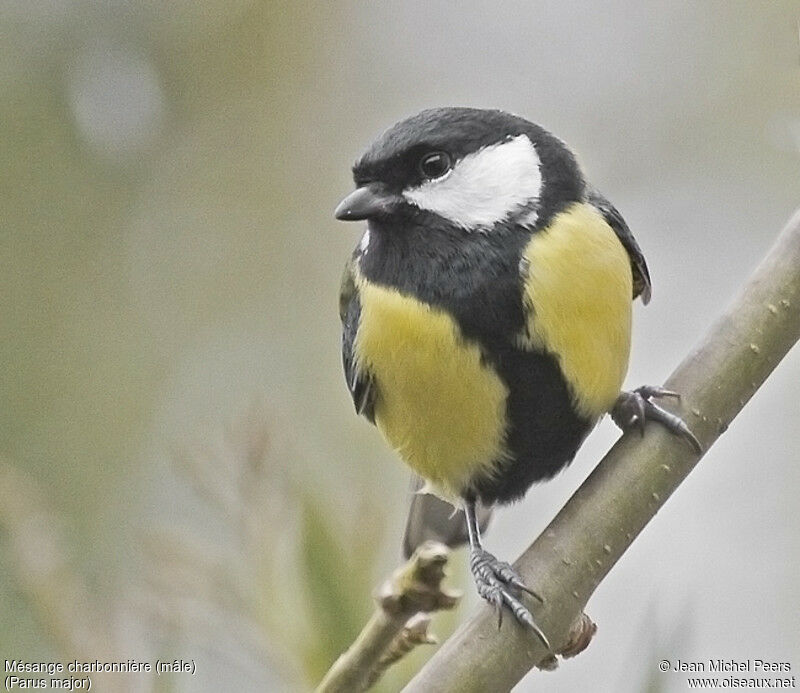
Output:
(437, 404)
(578, 295)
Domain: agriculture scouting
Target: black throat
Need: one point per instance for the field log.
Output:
(473, 275)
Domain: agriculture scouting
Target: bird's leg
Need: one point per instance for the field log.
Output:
(636, 408)
(497, 580)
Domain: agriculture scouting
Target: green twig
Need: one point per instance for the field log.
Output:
(396, 626)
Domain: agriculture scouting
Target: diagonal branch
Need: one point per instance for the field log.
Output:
(597, 525)
(399, 623)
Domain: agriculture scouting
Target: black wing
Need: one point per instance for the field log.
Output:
(361, 386)
(641, 276)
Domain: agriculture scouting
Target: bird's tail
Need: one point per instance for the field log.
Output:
(430, 517)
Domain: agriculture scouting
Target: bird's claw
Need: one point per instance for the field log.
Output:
(496, 581)
(636, 409)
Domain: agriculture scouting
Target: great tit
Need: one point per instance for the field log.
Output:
(486, 313)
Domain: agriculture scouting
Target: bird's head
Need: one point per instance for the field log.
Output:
(471, 168)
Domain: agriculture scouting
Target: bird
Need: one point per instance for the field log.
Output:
(486, 317)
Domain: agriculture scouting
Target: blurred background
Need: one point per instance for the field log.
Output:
(181, 470)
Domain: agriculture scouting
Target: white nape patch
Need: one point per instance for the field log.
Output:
(484, 187)
(364, 244)
(529, 219)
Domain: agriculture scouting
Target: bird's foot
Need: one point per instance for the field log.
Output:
(496, 582)
(636, 408)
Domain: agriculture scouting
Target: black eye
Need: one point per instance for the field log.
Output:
(435, 164)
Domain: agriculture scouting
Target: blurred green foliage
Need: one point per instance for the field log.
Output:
(338, 606)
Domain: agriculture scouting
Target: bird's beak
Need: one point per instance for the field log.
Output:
(368, 201)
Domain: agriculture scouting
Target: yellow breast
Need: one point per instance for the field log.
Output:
(437, 404)
(578, 295)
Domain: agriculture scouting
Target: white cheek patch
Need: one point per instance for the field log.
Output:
(485, 187)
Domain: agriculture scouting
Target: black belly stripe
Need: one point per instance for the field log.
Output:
(544, 430)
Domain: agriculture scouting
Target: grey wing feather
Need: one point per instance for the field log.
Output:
(361, 386)
(641, 275)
